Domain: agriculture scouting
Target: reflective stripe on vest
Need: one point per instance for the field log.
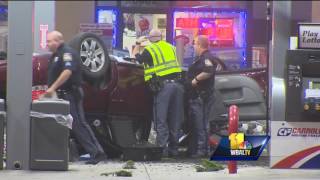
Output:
(164, 59)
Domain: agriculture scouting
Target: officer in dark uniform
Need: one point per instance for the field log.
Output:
(162, 72)
(200, 77)
(64, 78)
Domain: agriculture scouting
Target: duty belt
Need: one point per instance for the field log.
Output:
(176, 77)
(170, 81)
(61, 92)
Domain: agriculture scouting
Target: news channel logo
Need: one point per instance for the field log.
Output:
(239, 147)
(284, 132)
(299, 132)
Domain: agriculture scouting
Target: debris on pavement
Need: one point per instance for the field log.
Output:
(207, 166)
(122, 173)
(129, 165)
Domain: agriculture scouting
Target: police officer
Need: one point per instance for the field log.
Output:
(64, 78)
(200, 76)
(163, 74)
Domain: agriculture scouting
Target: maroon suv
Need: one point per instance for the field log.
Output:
(117, 103)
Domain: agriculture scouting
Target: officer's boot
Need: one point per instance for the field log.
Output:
(201, 150)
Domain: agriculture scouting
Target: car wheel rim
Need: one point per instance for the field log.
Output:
(92, 54)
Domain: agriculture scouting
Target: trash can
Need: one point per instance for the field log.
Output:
(49, 139)
(2, 118)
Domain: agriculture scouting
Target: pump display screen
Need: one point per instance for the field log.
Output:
(315, 85)
(313, 90)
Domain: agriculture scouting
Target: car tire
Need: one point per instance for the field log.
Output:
(93, 54)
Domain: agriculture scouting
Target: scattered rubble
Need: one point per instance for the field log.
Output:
(129, 165)
(207, 166)
(122, 173)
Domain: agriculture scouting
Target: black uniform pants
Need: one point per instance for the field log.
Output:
(199, 110)
(80, 127)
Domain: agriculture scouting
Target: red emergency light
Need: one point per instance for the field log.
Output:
(219, 31)
(224, 29)
(187, 23)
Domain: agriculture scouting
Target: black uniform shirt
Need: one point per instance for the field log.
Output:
(64, 58)
(206, 62)
(145, 57)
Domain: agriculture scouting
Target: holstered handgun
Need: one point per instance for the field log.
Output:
(204, 94)
(155, 84)
(195, 92)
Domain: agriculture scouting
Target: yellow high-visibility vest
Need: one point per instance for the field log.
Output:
(164, 60)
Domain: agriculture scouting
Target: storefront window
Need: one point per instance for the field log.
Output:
(108, 16)
(259, 56)
(225, 30)
(136, 25)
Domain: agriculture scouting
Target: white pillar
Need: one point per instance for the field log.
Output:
(19, 82)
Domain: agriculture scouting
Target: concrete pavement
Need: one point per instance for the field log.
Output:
(175, 170)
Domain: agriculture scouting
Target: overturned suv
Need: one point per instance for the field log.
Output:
(118, 106)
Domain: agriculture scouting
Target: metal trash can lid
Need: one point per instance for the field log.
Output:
(50, 101)
(51, 106)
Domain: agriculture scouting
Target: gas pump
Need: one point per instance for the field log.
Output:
(303, 80)
(295, 142)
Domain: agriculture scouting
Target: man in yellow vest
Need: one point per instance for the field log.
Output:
(162, 72)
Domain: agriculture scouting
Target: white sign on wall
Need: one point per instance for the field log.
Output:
(43, 35)
(309, 36)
